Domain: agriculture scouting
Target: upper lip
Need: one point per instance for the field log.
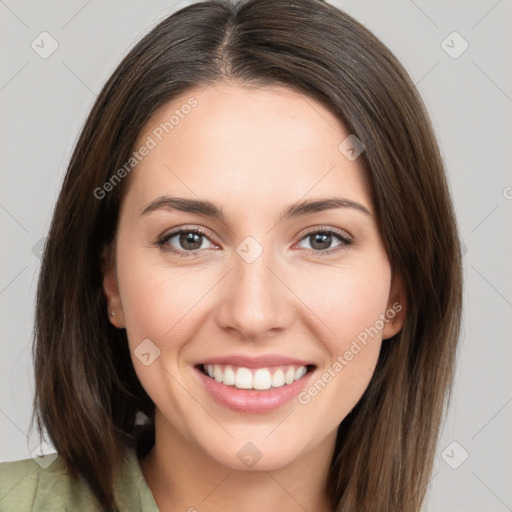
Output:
(256, 362)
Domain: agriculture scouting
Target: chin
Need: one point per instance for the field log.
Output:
(254, 453)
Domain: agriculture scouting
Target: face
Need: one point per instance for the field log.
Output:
(285, 307)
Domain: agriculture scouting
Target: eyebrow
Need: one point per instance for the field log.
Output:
(298, 209)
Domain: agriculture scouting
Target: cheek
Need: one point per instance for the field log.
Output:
(347, 299)
(160, 304)
(158, 301)
(351, 303)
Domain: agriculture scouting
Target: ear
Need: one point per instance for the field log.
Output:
(111, 288)
(396, 308)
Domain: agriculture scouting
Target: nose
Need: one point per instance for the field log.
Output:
(256, 302)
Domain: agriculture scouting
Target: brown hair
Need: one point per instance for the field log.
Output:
(87, 393)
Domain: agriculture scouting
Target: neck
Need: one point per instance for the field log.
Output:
(183, 477)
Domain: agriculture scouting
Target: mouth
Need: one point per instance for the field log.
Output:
(257, 379)
(254, 386)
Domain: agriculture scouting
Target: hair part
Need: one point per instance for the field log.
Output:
(87, 394)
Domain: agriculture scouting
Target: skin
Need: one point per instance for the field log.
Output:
(252, 152)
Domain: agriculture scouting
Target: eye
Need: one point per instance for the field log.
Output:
(321, 240)
(188, 240)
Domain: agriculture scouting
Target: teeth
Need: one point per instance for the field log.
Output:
(278, 379)
(217, 373)
(243, 378)
(229, 376)
(289, 375)
(262, 379)
(259, 379)
(300, 372)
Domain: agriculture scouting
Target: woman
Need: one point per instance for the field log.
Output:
(250, 294)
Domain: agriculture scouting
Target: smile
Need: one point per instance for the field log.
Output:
(253, 385)
(254, 378)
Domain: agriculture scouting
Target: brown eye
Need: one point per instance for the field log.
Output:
(190, 241)
(326, 240)
(184, 241)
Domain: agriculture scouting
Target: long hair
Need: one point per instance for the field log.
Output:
(87, 394)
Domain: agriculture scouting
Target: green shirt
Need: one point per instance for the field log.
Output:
(26, 486)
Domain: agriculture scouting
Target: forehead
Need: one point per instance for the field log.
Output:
(239, 143)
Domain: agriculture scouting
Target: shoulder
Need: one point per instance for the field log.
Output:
(44, 484)
(27, 485)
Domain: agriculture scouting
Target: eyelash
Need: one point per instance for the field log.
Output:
(343, 238)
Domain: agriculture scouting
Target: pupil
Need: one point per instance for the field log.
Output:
(191, 241)
(321, 238)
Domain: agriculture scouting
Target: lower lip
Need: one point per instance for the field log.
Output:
(249, 400)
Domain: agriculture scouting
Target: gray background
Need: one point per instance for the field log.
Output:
(44, 103)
